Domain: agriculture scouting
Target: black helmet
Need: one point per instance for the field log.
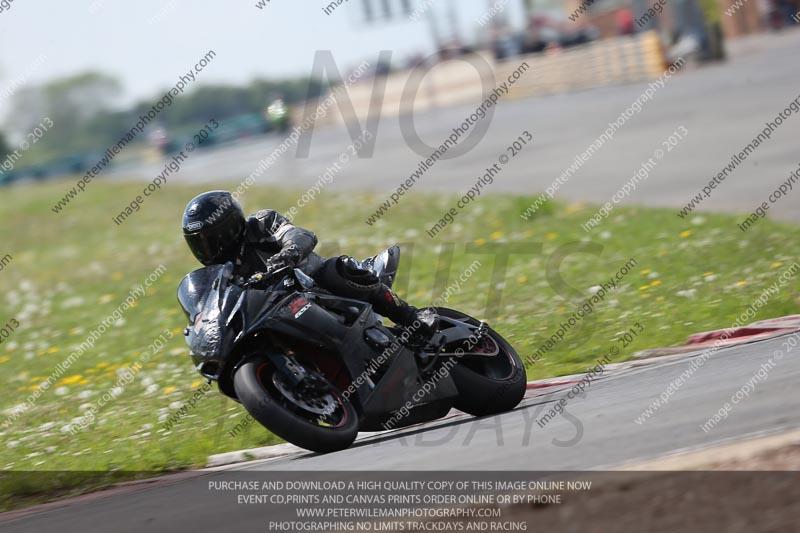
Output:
(213, 225)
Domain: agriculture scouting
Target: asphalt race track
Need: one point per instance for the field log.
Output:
(723, 108)
(610, 436)
(599, 433)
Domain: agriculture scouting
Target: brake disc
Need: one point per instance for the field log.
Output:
(320, 405)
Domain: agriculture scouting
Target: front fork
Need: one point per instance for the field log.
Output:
(293, 372)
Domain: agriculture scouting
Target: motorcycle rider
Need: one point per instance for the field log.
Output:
(217, 231)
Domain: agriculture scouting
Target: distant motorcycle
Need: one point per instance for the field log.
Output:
(277, 115)
(315, 368)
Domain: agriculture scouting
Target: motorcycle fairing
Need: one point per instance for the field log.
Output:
(226, 317)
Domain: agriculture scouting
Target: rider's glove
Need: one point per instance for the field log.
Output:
(286, 258)
(277, 263)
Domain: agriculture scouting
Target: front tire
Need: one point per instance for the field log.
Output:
(491, 385)
(262, 396)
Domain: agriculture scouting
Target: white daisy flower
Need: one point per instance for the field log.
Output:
(75, 301)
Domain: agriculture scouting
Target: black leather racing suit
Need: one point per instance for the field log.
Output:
(270, 239)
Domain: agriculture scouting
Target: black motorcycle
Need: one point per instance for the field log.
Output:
(315, 368)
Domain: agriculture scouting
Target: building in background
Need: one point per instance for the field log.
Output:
(737, 17)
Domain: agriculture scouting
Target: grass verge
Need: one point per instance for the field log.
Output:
(69, 271)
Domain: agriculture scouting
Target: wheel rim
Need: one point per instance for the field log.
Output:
(318, 403)
(500, 366)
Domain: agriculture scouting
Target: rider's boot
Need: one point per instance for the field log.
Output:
(420, 323)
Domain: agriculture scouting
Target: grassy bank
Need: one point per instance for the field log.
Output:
(70, 271)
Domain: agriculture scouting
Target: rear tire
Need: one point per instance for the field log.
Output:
(488, 386)
(265, 404)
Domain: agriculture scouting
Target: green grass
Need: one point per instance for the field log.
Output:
(70, 270)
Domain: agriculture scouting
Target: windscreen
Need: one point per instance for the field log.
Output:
(195, 287)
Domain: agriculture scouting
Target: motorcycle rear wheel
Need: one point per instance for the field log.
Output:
(489, 385)
(323, 422)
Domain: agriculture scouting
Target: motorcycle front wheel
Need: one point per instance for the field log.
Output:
(313, 415)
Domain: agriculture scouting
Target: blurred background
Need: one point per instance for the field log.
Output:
(77, 77)
(95, 67)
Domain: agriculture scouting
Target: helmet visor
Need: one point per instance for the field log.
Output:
(206, 248)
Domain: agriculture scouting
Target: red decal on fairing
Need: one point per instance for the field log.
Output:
(296, 305)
